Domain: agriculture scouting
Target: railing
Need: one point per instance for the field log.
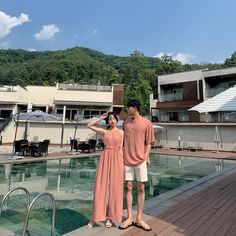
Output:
(29, 206)
(53, 214)
(171, 97)
(84, 87)
(8, 89)
(214, 91)
(8, 193)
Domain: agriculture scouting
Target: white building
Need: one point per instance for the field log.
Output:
(78, 101)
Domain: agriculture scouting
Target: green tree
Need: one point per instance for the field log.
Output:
(139, 90)
(134, 67)
(229, 62)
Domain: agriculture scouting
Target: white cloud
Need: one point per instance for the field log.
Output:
(48, 32)
(8, 22)
(94, 31)
(31, 49)
(4, 45)
(161, 54)
(184, 58)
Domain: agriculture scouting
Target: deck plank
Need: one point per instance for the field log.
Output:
(208, 212)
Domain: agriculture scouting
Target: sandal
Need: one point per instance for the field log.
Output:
(124, 226)
(90, 224)
(108, 223)
(143, 227)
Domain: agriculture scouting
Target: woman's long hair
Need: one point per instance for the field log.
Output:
(111, 113)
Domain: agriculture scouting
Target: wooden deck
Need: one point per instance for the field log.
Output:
(211, 211)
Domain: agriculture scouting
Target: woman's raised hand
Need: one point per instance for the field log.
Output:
(104, 116)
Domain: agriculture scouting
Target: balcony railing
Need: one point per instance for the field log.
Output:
(214, 91)
(84, 87)
(8, 89)
(171, 97)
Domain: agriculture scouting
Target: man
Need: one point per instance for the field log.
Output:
(138, 136)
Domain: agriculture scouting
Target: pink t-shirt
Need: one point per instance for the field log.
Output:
(138, 133)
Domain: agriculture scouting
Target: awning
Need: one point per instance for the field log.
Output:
(224, 101)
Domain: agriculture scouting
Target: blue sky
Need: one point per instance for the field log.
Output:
(191, 31)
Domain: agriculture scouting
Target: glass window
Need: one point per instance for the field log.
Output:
(86, 114)
(68, 114)
(73, 114)
(95, 113)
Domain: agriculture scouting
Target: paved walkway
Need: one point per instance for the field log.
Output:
(55, 151)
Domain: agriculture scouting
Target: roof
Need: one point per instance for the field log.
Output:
(224, 101)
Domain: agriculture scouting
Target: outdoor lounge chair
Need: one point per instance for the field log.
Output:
(48, 142)
(88, 146)
(39, 150)
(100, 144)
(184, 146)
(156, 144)
(21, 147)
(74, 144)
(197, 147)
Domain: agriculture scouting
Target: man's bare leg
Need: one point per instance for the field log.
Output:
(141, 201)
(129, 200)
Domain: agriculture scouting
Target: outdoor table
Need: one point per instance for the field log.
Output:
(33, 146)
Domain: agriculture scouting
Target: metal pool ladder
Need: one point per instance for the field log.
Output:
(29, 206)
(53, 214)
(14, 189)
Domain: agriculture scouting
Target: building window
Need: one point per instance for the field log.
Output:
(178, 116)
(92, 113)
(34, 108)
(70, 113)
(229, 116)
(4, 114)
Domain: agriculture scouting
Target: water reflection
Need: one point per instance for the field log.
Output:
(71, 181)
(219, 164)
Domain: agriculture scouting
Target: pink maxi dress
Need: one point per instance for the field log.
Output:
(109, 179)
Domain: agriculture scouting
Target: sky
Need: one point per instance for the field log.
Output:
(191, 31)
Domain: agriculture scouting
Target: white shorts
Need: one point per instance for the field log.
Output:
(140, 171)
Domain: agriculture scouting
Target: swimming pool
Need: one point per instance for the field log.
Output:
(71, 181)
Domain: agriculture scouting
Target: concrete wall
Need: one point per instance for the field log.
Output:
(202, 134)
(180, 77)
(84, 96)
(41, 94)
(43, 130)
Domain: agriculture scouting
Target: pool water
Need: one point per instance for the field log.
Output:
(71, 181)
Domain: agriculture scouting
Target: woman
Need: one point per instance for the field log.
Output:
(110, 173)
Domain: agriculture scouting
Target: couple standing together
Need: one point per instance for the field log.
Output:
(125, 156)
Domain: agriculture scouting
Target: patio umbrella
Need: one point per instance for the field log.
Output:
(36, 115)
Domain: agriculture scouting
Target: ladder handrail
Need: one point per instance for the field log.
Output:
(9, 192)
(53, 215)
